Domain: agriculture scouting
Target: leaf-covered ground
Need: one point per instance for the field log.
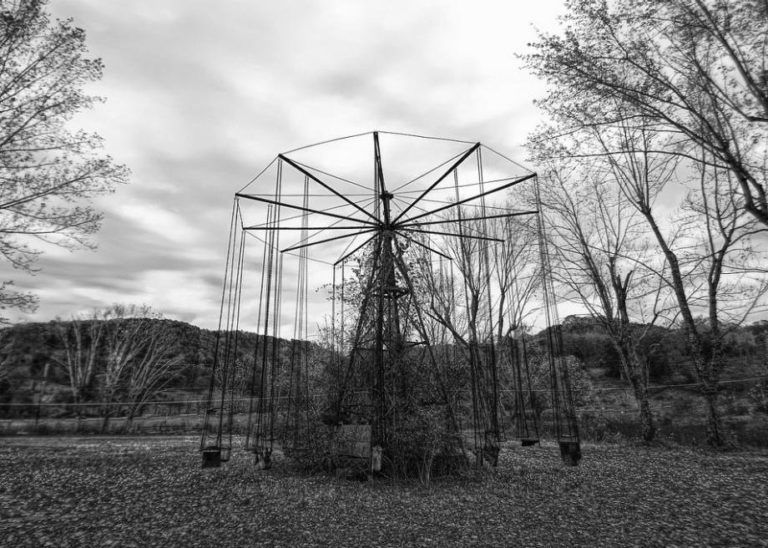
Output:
(152, 492)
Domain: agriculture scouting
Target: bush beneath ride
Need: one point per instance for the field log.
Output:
(424, 445)
(310, 448)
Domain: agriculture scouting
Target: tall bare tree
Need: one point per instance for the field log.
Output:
(707, 258)
(516, 271)
(593, 233)
(675, 91)
(48, 173)
(483, 296)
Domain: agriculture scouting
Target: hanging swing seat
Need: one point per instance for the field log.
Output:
(212, 456)
(570, 451)
(528, 442)
(263, 459)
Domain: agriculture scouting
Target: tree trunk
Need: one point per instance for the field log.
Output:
(646, 417)
(644, 407)
(129, 419)
(633, 369)
(106, 412)
(715, 431)
(707, 371)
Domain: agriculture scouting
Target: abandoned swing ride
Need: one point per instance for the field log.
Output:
(390, 295)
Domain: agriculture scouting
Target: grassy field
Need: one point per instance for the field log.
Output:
(152, 491)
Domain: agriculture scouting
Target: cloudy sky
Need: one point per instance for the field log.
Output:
(202, 95)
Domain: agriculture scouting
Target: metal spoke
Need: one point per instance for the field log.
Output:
(465, 200)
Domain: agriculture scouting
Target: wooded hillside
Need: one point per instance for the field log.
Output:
(34, 353)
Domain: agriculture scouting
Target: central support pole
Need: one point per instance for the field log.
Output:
(388, 345)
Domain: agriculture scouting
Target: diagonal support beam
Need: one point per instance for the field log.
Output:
(425, 246)
(358, 248)
(384, 196)
(300, 208)
(322, 184)
(468, 236)
(456, 164)
(264, 227)
(292, 248)
(465, 200)
(465, 219)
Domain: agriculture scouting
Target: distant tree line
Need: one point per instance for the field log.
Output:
(667, 357)
(120, 357)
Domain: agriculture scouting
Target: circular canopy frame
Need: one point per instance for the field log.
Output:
(409, 339)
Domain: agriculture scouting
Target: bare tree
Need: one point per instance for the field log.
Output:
(516, 271)
(485, 290)
(129, 332)
(128, 351)
(48, 173)
(81, 340)
(709, 264)
(482, 296)
(149, 342)
(675, 90)
(593, 232)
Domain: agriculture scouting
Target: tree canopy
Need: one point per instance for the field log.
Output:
(694, 69)
(49, 173)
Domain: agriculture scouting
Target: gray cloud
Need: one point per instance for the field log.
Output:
(201, 96)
